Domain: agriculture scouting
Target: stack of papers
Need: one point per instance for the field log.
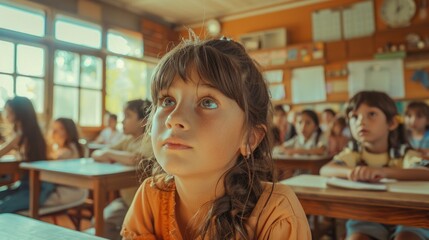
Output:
(343, 183)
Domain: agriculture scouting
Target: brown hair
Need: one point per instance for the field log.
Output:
(225, 65)
(32, 139)
(72, 134)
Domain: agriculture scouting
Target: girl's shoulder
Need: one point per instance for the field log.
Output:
(279, 198)
(278, 214)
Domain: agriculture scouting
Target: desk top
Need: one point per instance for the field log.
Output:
(95, 146)
(80, 166)
(301, 157)
(8, 158)
(14, 226)
(411, 193)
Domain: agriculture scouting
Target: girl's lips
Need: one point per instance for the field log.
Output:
(176, 146)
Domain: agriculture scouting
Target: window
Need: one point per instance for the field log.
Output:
(22, 20)
(77, 88)
(78, 32)
(126, 80)
(22, 72)
(125, 43)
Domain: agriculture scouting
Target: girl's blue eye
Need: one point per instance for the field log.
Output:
(167, 102)
(208, 103)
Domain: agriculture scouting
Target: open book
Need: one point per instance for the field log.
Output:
(343, 183)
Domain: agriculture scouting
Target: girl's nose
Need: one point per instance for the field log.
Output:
(177, 119)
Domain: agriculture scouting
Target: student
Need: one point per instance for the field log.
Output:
(65, 140)
(328, 117)
(337, 141)
(309, 138)
(128, 152)
(110, 135)
(376, 154)
(28, 144)
(64, 144)
(417, 125)
(282, 128)
(209, 126)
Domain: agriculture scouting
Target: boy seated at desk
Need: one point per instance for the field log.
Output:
(132, 148)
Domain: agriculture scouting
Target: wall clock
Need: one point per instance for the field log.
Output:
(398, 13)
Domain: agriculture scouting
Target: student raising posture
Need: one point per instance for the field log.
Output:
(213, 163)
(29, 145)
(65, 140)
(417, 125)
(376, 154)
(309, 139)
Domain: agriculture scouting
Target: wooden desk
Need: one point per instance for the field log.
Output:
(9, 166)
(313, 163)
(405, 203)
(14, 226)
(95, 146)
(82, 173)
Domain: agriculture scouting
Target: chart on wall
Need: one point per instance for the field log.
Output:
(308, 84)
(378, 75)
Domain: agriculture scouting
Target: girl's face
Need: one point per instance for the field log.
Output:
(369, 125)
(415, 121)
(59, 134)
(8, 114)
(279, 119)
(337, 129)
(305, 126)
(196, 130)
(132, 124)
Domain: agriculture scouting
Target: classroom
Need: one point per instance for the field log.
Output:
(214, 119)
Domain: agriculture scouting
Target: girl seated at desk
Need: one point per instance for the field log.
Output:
(417, 125)
(28, 144)
(64, 140)
(309, 139)
(337, 141)
(376, 154)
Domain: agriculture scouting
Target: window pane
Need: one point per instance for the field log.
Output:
(66, 68)
(126, 44)
(66, 102)
(30, 60)
(90, 108)
(6, 89)
(78, 32)
(91, 72)
(125, 80)
(33, 89)
(20, 20)
(7, 57)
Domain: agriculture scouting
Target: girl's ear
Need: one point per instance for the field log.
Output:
(255, 137)
(394, 124)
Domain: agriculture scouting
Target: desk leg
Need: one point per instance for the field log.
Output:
(99, 203)
(34, 193)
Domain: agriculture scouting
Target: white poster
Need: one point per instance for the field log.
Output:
(308, 85)
(379, 75)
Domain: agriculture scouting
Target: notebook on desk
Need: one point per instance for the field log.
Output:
(344, 183)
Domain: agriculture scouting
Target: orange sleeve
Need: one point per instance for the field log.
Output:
(138, 223)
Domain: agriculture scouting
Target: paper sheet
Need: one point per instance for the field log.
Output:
(308, 85)
(380, 75)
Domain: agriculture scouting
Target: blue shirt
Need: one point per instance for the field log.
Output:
(422, 143)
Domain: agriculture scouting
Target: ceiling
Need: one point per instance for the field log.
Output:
(185, 12)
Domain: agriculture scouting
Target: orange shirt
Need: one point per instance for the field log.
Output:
(152, 215)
